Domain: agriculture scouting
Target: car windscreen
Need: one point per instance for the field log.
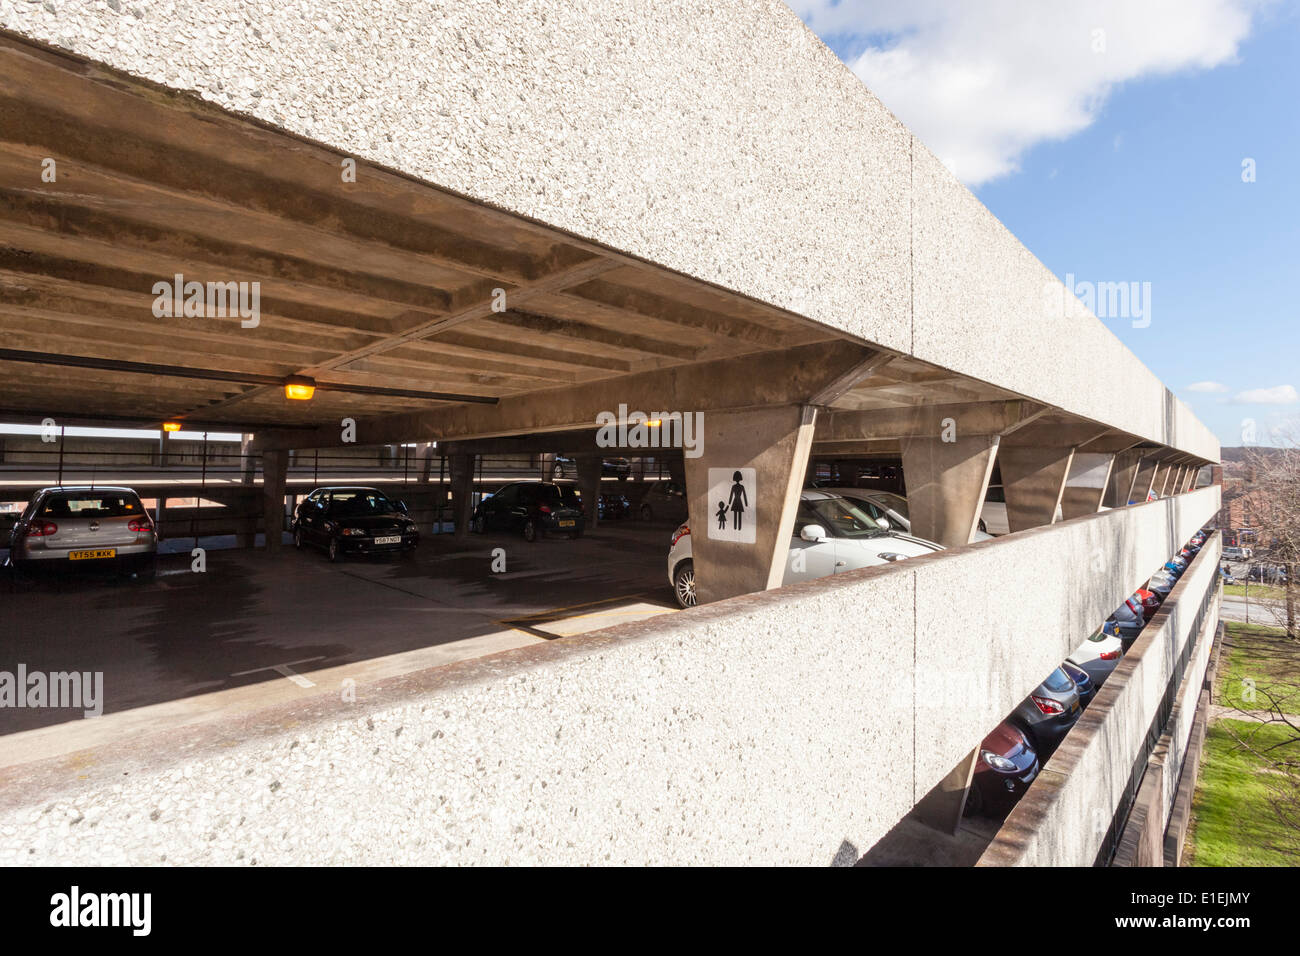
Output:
(895, 503)
(92, 504)
(541, 494)
(840, 517)
(1058, 682)
(355, 504)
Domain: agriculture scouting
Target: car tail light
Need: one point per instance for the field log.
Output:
(1110, 655)
(1047, 705)
(139, 524)
(681, 532)
(40, 529)
(544, 509)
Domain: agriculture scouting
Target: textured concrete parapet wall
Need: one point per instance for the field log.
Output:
(719, 138)
(792, 726)
(1066, 820)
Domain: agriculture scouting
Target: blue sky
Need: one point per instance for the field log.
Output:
(1134, 175)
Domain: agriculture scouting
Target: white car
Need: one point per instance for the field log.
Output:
(1099, 655)
(891, 507)
(831, 534)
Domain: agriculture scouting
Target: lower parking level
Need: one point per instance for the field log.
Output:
(254, 629)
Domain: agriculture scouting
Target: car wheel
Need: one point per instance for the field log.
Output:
(334, 552)
(684, 584)
(974, 803)
(297, 538)
(646, 513)
(478, 525)
(557, 471)
(530, 530)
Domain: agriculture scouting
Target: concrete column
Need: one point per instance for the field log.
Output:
(1122, 474)
(426, 463)
(1142, 482)
(1086, 485)
(462, 485)
(1189, 480)
(942, 807)
(1033, 479)
(275, 465)
(775, 442)
(164, 444)
(246, 535)
(589, 483)
(946, 484)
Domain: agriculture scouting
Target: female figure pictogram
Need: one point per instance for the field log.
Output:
(738, 502)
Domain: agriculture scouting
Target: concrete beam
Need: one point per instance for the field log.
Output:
(963, 420)
(946, 484)
(774, 442)
(1033, 479)
(787, 376)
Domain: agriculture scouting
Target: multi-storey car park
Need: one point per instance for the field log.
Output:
(483, 226)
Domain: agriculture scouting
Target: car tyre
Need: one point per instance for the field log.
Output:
(684, 584)
(530, 530)
(297, 538)
(646, 513)
(335, 552)
(557, 472)
(478, 525)
(974, 803)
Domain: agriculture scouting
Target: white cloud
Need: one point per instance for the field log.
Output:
(1207, 387)
(1277, 395)
(981, 83)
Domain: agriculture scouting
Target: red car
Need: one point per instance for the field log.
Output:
(1006, 766)
(1150, 603)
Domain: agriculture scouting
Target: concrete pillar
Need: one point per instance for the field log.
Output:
(1189, 480)
(462, 485)
(1086, 485)
(246, 533)
(1033, 480)
(1142, 482)
(946, 484)
(942, 807)
(164, 445)
(275, 465)
(589, 484)
(426, 463)
(1122, 475)
(774, 442)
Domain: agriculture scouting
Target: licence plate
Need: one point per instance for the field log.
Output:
(89, 555)
(566, 524)
(389, 539)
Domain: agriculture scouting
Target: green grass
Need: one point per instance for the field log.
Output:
(1262, 655)
(1234, 824)
(1256, 591)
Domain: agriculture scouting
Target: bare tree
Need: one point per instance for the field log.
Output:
(1273, 489)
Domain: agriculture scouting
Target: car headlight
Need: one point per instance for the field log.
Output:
(892, 556)
(997, 761)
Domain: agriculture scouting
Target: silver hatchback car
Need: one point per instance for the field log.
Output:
(84, 527)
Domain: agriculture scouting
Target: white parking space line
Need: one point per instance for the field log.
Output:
(285, 671)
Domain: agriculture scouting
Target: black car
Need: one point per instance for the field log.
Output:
(565, 467)
(532, 508)
(354, 520)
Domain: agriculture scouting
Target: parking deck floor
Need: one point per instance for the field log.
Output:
(256, 629)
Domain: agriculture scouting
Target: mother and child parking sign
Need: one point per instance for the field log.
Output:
(732, 502)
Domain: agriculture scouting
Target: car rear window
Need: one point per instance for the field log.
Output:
(91, 505)
(1058, 681)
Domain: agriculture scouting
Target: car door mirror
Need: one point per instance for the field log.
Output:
(401, 506)
(813, 533)
(883, 523)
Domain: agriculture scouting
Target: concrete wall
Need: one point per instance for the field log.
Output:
(719, 138)
(760, 729)
(1066, 818)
